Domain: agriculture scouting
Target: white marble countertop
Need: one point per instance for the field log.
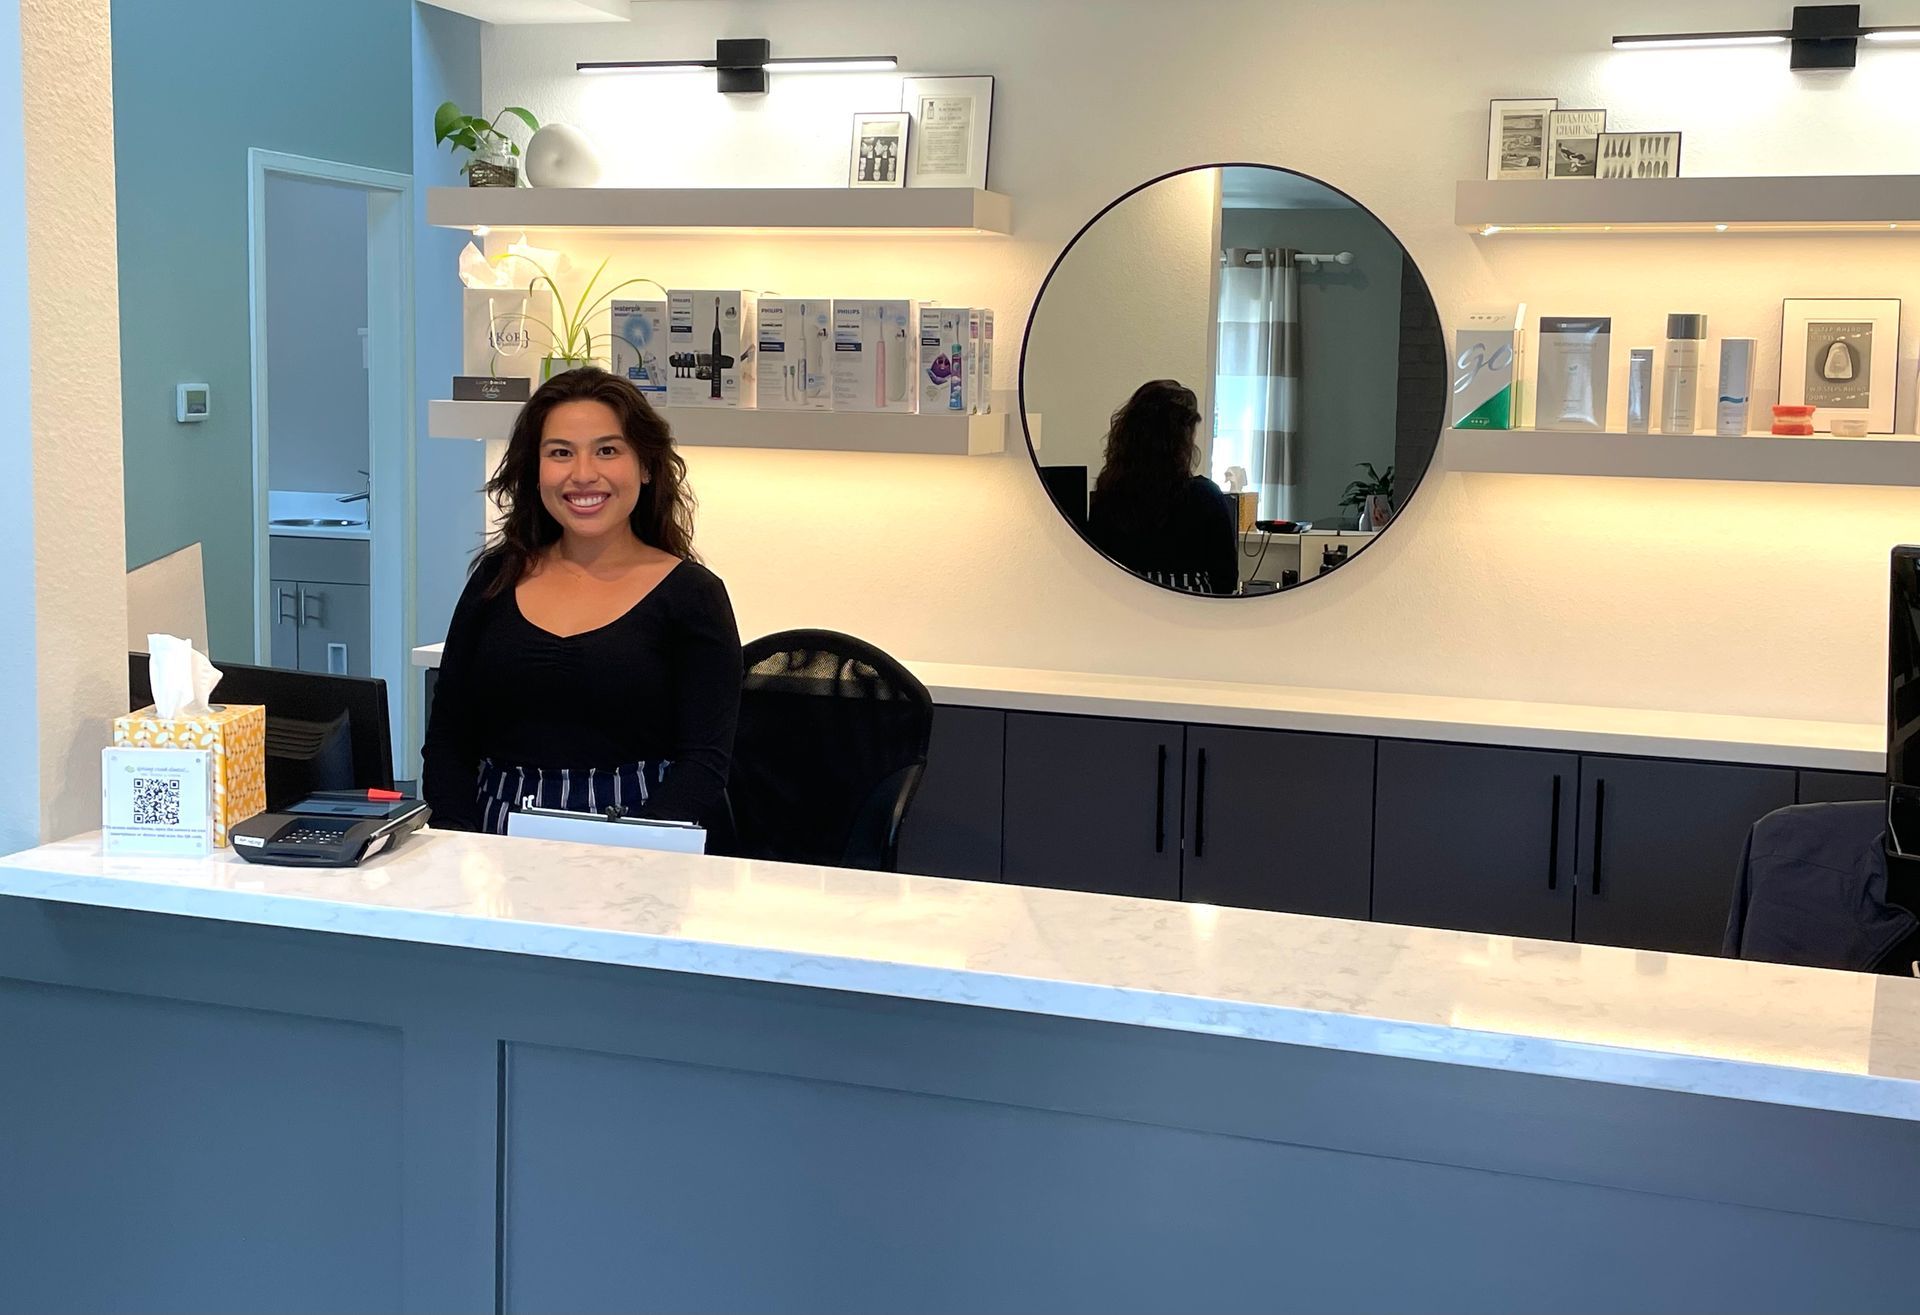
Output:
(1787, 1036)
(1574, 728)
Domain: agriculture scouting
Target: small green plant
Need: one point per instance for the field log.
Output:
(477, 136)
(572, 337)
(1375, 485)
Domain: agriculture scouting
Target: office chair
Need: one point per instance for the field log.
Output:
(831, 746)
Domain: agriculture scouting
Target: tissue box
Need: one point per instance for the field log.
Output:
(235, 733)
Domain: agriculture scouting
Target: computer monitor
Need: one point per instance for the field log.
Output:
(323, 732)
(1903, 701)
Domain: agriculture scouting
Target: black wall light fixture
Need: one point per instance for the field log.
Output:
(1822, 37)
(741, 65)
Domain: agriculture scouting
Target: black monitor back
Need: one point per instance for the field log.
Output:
(323, 732)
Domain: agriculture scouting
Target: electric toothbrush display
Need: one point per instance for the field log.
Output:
(639, 332)
(718, 353)
(946, 372)
(791, 367)
(711, 348)
(873, 356)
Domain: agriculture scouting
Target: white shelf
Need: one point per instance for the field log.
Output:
(818, 431)
(512, 13)
(1867, 203)
(935, 210)
(1881, 460)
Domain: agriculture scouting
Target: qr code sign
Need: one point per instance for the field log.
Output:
(156, 801)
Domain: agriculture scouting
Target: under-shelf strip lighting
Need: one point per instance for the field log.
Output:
(1823, 37)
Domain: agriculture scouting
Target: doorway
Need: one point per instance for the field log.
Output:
(330, 280)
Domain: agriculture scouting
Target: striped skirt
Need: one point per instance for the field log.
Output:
(503, 789)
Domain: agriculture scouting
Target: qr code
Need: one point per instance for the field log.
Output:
(156, 801)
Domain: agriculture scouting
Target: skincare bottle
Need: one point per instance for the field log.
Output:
(1736, 386)
(1639, 389)
(1680, 388)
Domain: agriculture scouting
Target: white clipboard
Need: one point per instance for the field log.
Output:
(596, 829)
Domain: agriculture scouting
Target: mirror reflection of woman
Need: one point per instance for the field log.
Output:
(592, 662)
(1149, 511)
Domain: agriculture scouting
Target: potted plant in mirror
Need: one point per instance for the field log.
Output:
(574, 342)
(1372, 495)
(494, 157)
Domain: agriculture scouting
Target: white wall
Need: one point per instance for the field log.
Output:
(63, 665)
(316, 301)
(1697, 596)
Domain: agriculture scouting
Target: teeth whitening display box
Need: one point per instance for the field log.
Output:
(640, 347)
(946, 380)
(710, 347)
(1487, 350)
(874, 355)
(795, 338)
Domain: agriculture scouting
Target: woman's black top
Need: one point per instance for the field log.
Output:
(1192, 547)
(659, 684)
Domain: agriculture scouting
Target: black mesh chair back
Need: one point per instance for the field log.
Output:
(831, 747)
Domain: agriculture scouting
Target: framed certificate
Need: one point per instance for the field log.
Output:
(952, 122)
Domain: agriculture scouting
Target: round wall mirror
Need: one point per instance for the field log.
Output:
(1233, 379)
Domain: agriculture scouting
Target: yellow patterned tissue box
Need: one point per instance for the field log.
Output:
(237, 735)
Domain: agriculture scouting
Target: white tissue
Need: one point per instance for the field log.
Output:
(181, 677)
(476, 271)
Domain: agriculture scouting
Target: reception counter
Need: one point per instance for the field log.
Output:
(495, 1073)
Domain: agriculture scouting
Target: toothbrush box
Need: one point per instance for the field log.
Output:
(710, 342)
(640, 347)
(945, 367)
(980, 360)
(794, 336)
(1487, 351)
(875, 353)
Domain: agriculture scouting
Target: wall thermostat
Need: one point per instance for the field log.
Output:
(192, 403)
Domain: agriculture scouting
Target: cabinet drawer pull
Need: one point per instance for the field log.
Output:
(284, 599)
(1160, 806)
(1200, 804)
(317, 616)
(1599, 823)
(1553, 839)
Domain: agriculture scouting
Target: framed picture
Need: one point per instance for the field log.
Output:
(1573, 143)
(879, 150)
(1639, 155)
(952, 125)
(1841, 357)
(1517, 138)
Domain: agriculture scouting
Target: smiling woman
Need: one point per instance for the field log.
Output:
(592, 662)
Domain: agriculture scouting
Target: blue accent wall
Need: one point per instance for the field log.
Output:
(450, 516)
(196, 83)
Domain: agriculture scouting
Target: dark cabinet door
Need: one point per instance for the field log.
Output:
(953, 826)
(1477, 839)
(1093, 804)
(1659, 843)
(1278, 820)
(1841, 787)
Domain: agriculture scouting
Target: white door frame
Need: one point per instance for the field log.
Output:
(390, 404)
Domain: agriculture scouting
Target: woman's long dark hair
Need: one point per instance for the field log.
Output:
(1150, 455)
(663, 517)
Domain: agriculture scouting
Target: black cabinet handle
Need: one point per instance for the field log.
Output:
(1200, 804)
(1160, 806)
(1599, 822)
(1553, 839)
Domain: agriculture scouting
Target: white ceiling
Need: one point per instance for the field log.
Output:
(1245, 187)
(511, 12)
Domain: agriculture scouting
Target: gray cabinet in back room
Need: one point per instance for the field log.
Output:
(1278, 820)
(1475, 838)
(1093, 804)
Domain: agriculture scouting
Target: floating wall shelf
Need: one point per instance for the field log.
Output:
(1883, 460)
(1875, 203)
(820, 210)
(820, 431)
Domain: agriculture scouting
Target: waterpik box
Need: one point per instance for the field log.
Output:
(874, 355)
(710, 347)
(639, 337)
(794, 336)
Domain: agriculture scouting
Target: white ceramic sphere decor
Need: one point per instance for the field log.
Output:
(561, 156)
